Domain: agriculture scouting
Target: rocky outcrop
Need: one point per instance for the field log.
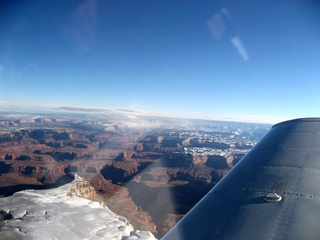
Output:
(47, 173)
(124, 156)
(120, 171)
(51, 213)
(81, 188)
(190, 159)
(118, 199)
(199, 173)
(217, 162)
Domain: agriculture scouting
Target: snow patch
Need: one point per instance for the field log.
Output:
(51, 214)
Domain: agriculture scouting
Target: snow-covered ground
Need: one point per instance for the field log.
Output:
(51, 214)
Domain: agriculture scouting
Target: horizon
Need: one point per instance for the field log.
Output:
(215, 60)
(43, 109)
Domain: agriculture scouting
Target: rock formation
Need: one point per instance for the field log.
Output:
(134, 170)
(62, 213)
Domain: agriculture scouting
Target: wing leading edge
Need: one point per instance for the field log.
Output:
(272, 193)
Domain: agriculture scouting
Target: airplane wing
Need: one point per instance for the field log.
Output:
(272, 193)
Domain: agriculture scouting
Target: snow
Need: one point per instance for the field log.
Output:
(51, 214)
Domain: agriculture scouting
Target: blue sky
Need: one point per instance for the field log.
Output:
(233, 60)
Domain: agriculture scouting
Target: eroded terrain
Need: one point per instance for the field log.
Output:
(150, 170)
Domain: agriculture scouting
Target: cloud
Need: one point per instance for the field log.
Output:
(237, 43)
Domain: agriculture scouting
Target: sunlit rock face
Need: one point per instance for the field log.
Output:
(61, 213)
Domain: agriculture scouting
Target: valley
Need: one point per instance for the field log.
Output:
(151, 170)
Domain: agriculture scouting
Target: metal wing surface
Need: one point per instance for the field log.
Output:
(272, 193)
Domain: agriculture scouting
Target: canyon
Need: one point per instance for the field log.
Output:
(150, 170)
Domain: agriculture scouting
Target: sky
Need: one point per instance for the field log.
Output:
(245, 60)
